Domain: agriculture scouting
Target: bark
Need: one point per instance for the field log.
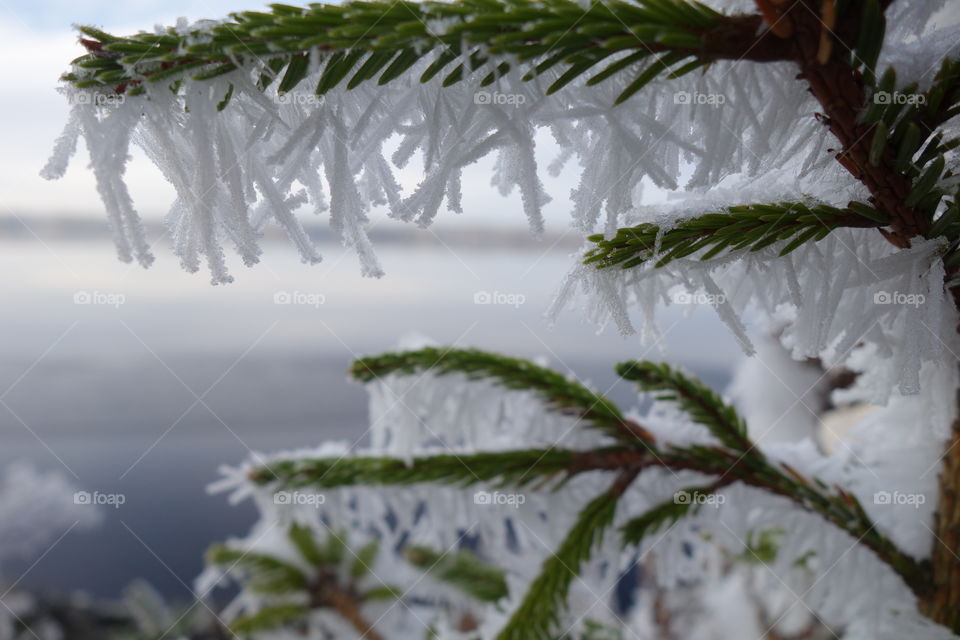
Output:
(942, 603)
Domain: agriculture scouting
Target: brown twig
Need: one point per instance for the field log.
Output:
(841, 92)
(752, 469)
(346, 602)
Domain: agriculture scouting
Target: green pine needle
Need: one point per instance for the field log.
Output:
(514, 468)
(461, 569)
(268, 618)
(306, 544)
(870, 39)
(390, 38)
(267, 574)
(741, 228)
(664, 514)
(365, 557)
(538, 615)
(557, 391)
(700, 402)
(387, 592)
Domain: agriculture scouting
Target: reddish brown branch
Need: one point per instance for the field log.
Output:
(942, 603)
(742, 37)
(841, 92)
(752, 469)
(347, 603)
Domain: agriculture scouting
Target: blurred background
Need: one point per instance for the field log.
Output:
(139, 383)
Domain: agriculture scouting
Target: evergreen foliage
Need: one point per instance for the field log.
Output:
(503, 467)
(558, 392)
(537, 616)
(294, 592)
(364, 41)
(737, 460)
(741, 228)
(461, 569)
(901, 153)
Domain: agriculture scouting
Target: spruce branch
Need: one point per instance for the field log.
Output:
(267, 573)
(664, 514)
(749, 227)
(557, 391)
(833, 503)
(513, 468)
(363, 559)
(268, 618)
(365, 41)
(362, 41)
(941, 102)
(735, 459)
(386, 592)
(762, 546)
(306, 544)
(461, 569)
(347, 602)
(520, 468)
(537, 616)
(295, 593)
(697, 400)
(593, 630)
(897, 106)
(842, 84)
(903, 133)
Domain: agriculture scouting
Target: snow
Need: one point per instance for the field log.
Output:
(37, 508)
(784, 408)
